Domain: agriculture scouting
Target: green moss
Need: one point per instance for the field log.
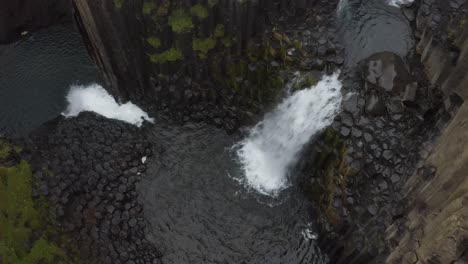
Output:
(180, 21)
(154, 42)
(199, 11)
(162, 10)
(22, 221)
(170, 55)
(6, 149)
(212, 3)
(227, 42)
(118, 3)
(331, 171)
(148, 7)
(219, 31)
(203, 45)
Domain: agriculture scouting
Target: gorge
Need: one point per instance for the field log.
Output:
(285, 131)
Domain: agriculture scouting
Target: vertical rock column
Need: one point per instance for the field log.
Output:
(146, 47)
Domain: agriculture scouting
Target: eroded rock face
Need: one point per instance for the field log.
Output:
(19, 17)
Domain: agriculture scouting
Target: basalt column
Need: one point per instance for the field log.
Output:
(187, 50)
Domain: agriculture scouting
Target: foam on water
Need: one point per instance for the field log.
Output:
(94, 98)
(399, 3)
(273, 144)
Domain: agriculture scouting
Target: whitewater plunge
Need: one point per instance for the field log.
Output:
(95, 98)
(274, 144)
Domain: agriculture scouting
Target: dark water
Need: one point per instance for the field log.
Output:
(199, 214)
(371, 26)
(36, 73)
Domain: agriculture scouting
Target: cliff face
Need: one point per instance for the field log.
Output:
(191, 56)
(443, 47)
(28, 15)
(434, 227)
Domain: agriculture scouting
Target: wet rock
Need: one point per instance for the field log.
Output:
(395, 178)
(383, 185)
(372, 209)
(351, 104)
(356, 132)
(368, 137)
(409, 97)
(345, 131)
(375, 106)
(386, 72)
(387, 154)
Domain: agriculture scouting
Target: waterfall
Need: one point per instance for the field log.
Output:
(274, 144)
(94, 98)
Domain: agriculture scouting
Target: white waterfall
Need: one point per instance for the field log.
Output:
(274, 144)
(95, 98)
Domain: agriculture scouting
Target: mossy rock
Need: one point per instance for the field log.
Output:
(204, 45)
(6, 149)
(213, 3)
(170, 55)
(154, 42)
(118, 4)
(148, 7)
(180, 21)
(199, 11)
(23, 221)
(219, 31)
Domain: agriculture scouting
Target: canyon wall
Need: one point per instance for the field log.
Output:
(217, 56)
(17, 17)
(434, 226)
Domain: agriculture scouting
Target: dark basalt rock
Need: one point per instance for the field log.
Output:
(87, 168)
(386, 72)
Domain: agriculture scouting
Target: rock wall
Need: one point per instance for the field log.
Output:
(196, 55)
(19, 16)
(433, 227)
(443, 46)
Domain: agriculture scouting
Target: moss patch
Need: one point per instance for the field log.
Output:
(23, 238)
(331, 171)
(148, 7)
(154, 42)
(180, 21)
(6, 149)
(204, 45)
(219, 31)
(212, 3)
(199, 11)
(170, 55)
(118, 3)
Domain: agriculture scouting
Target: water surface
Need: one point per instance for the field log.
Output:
(36, 73)
(198, 212)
